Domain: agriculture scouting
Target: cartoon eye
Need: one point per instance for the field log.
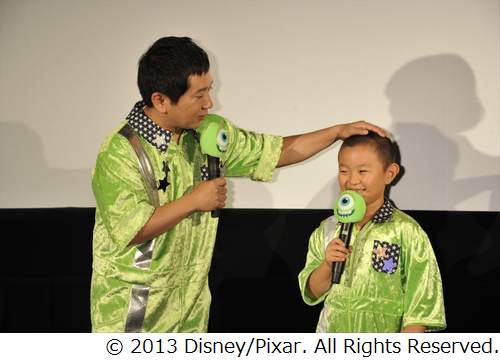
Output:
(346, 203)
(222, 140)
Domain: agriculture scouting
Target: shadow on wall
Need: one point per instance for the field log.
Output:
(27, 180)
(433, 101)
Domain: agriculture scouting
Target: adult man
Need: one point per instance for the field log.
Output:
(153, 244)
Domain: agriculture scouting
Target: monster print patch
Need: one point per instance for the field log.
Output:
(385, 257)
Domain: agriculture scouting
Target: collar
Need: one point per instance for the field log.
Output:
(147, 128)
(384, 213)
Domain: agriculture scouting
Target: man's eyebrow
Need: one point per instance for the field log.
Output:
(205, 88)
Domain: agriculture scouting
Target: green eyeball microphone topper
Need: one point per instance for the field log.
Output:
(350, 208)
(213, 143)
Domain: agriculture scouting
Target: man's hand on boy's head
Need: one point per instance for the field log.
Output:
(357, 128)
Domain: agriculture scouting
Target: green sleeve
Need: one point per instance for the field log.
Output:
(251, 154)
(315, 255)
(121, 198)
(422, 287)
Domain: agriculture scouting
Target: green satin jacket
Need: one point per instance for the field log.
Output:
(177, 296)
(391, 279)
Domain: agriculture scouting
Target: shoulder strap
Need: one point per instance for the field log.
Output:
(147, 171)
(144, 252)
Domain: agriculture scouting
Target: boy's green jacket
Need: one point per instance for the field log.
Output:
(391, 278)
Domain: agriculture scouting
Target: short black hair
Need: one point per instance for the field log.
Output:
(166, 66)
(386, 149)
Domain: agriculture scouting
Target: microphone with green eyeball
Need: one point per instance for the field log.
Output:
(349, 209)
(213, 142)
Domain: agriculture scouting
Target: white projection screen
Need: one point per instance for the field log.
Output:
(426, 70)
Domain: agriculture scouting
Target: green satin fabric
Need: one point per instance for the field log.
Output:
(179, 297)
(367, 300)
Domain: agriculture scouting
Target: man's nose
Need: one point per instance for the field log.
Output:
(208, 103)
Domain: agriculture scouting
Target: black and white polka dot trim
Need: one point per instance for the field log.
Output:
(147, 128)
(153, 133)
(384, 213)
(385, 256)
(204, 172)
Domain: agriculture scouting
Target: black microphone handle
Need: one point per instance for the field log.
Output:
(213, 173)
(338, 266)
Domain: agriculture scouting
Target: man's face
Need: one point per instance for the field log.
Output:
(361, 170)
(193, 105)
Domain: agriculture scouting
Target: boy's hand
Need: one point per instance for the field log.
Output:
(209, 195)
(358, 128)
(336, 251)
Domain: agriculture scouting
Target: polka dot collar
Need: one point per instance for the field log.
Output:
(147, 128)
(157, 136)
(384, 213)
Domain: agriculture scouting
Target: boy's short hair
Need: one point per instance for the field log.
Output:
(166, 66)
(385, 148)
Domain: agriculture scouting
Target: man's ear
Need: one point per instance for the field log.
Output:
(161, 102)
(391, 172)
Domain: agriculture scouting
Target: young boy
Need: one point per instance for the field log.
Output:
(391, 281)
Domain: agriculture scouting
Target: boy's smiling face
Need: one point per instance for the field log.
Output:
(361, 169)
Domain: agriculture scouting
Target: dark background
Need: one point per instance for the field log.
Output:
(47, 265)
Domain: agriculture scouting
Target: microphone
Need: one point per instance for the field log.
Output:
(213, 143)
(350, 208)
